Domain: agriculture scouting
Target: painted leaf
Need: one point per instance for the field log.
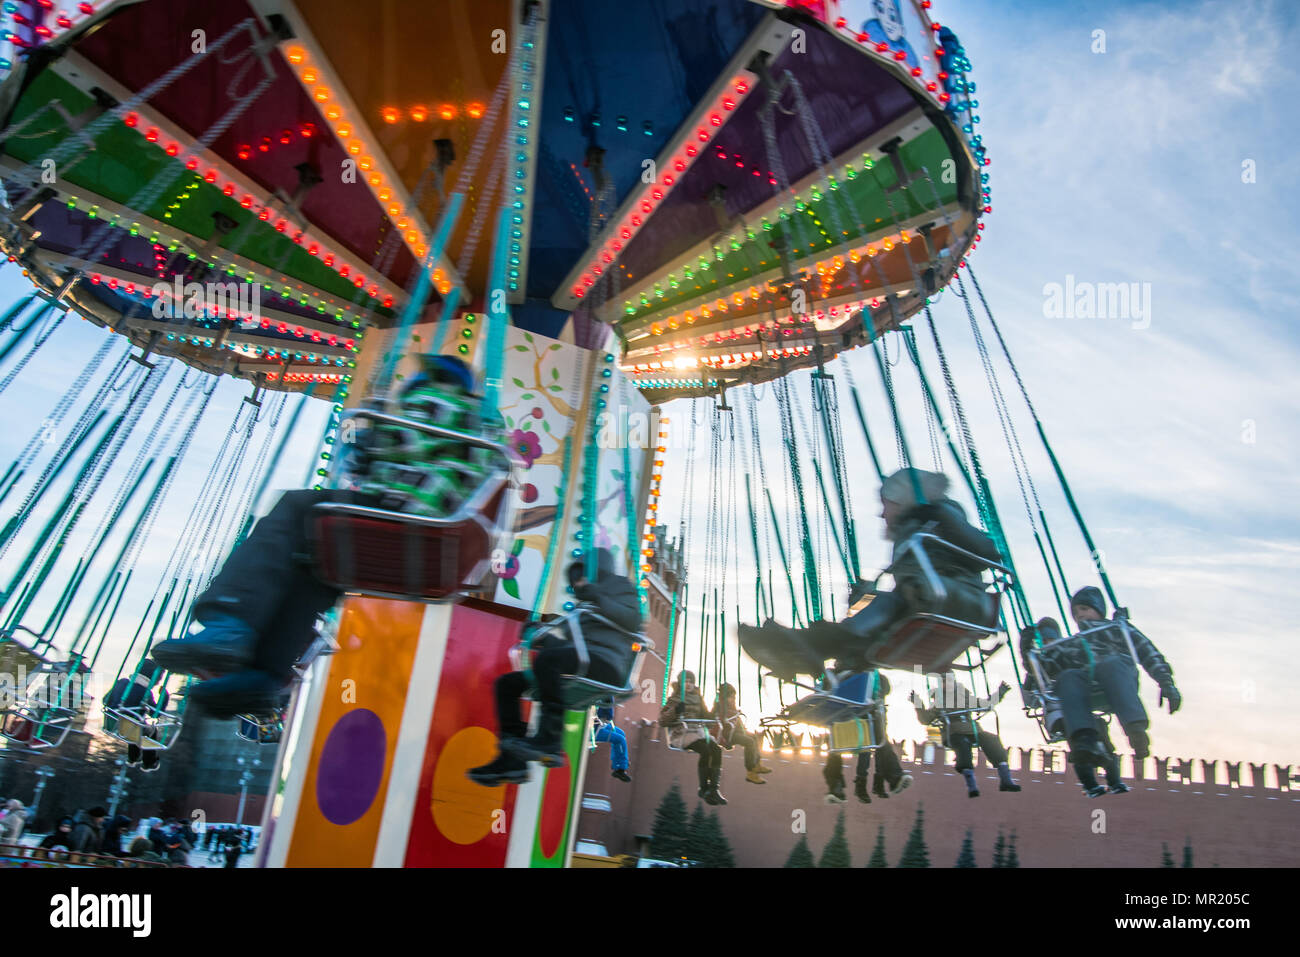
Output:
(546, 425)
(555, 373)
(554, 388)
(519, 546)
(526, 395)
(520, 348)
(519, 382)
(528, 336)
(556, 345)
(511, 587)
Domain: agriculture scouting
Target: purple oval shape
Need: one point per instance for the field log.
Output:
(351, 766)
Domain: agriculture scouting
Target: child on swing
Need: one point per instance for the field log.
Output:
(258, 616)
(686, 702)
(134, 691)
(794, 651)
(955, 709)
(610, 655)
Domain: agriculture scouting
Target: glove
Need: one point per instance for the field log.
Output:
(1002, 690)
(1170, 693)
(679, 708)
(860, 589)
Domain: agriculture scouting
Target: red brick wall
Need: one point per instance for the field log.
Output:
(1054, 821)
(221, 808)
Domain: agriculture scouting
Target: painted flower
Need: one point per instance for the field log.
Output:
(511, 568)
(537, 412)
(530, 493)
(526, 446)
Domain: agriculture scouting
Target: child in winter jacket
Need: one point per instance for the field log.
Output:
(789, 651)
(685, 702)
(258, 616)
(610, 652)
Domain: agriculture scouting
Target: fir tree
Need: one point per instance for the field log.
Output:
(915, 853)
(1000, 850)
(1013, 859)
(668, 836)
(878, 854)
(967, 856)
(1166, 859)
(836, 851)
(1187, 853)
(802, 855)
(710, 848)
(698, 844)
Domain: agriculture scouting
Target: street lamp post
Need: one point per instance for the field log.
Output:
(244, 778)
(44, 774)
(118, 790)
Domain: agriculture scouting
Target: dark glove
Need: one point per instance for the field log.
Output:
(860, 590)
(1002, 690)
(679, 708)
(1170, 693)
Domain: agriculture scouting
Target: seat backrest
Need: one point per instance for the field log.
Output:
(856, 687)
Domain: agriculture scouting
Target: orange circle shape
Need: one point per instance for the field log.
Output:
(462, 810)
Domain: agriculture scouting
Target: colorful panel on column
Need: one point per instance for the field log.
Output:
(456, 822)
(350, 763)
(559, 794)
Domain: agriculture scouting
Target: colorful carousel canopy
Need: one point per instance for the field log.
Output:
(739, 188)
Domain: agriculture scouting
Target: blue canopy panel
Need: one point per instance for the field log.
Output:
(606, 62)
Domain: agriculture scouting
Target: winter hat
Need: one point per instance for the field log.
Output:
(681, 678)
(900, 488)
(446, 370)
(96, 812)
(604, 566)
(1048, 629)
(1091, 597)
(149, 670)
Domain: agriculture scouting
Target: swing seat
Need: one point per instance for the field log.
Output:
(261, 728)
(852, 736)
(931, 641)
(1046, 710)
(14, 654)
(779, 734)
(387, 554)
(688, 731)
(38, 729)
(580, 691)
(1051, 719)
(850, 698)
(148, 728)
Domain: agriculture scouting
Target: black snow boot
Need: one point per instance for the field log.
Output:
(503, 769)
(547, 746)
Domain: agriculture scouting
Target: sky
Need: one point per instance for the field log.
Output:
(1169, 161)
(1178, 431)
